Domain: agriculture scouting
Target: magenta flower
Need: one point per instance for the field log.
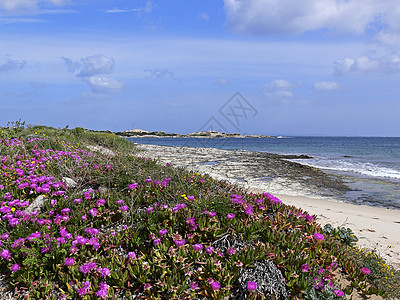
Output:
(157, 241)
(124, 208)
(209, 250)
(100, 202)
(35, 235)
(105, 272)
(131, 255)
(365, 271)
(319, 236)
(163, 232)
(194, 286)
(212, 214)
(338, 293)
(179, 243)
(147, 286)
(103, 291)
(14, 268)
(4, 236)
(77, 200)
(251, 285)
(231, 250)
(215, 285)
(148, 211)
(305, 267)
(190, 198)
(93, 212)
(132, 186)
(230, 216)
(120, 202)
(69, 261)
(197, 247)
(5, 254)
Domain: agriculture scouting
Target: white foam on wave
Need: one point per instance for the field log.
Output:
(366, 169)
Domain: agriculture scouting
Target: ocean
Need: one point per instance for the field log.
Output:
(370, 166)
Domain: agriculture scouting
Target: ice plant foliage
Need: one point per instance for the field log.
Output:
(109, 226)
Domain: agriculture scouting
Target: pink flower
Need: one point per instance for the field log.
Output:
(147, 286)
(319, 236)
(162, 232)
(124, 208)
(179, 243)
(132, 186)
(105, 272)
(14, 268)
(338, 293)
(215, 285)
(194, 286)
(5, 254)
(251, 285)
(197, 247)
(69, 261)
(365, 271)
(231, 250)
(230, 216)
(210, 250)
(305, 267)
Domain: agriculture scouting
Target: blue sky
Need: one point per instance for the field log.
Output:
(310, 67)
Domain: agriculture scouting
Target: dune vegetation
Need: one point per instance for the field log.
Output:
(84, 216)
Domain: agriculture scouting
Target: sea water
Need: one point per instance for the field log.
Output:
(370, 166)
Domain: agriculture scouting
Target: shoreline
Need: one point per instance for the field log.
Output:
(295, 184)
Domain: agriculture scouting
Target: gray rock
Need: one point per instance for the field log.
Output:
(269, 279)
(37, 204)
(69, 182)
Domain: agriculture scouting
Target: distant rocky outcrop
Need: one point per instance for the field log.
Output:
(197, 134)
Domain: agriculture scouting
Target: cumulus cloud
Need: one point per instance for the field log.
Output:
(94, 70)
(280, 89)
(281, 84)
(96, 64)
(26, 6)
(103, 84)
(12, 64)
(292, 16)
(326, 85)
(367, 64)
(160, 73)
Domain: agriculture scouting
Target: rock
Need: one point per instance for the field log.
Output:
(69, 182)
(269, 279)
(37, 204)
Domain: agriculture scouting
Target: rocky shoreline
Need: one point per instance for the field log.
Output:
(267, 172)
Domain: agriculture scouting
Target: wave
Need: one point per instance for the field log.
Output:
(365, 169)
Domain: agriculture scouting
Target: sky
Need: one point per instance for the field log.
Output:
(274, 67)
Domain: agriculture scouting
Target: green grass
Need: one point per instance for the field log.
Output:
(262, 229)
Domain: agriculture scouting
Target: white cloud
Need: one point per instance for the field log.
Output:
(94, 71)
(160, 73)
(96, 64)
(26, 6)
(11, 64)
(279, 95)
(281, 84)
(366, 64)
(121, 10)
(292, 16)
(103, 84)
(281, 89)
(326, 85)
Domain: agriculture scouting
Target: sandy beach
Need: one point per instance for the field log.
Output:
(377, 228)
